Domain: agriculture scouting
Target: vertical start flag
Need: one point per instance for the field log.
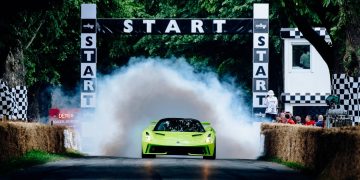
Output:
(88, 56)
(260, 82)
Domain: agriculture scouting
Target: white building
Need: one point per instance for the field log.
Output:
(306, 75)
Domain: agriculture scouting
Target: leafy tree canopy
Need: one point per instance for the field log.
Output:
(48, 32)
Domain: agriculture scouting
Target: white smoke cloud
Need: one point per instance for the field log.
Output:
(59, 99)
(151, 89)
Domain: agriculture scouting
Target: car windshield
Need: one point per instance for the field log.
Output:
(179, 125)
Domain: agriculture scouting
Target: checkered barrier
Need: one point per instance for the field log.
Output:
(296, 34)
(348, 90)
(13, 102)
(308, 98)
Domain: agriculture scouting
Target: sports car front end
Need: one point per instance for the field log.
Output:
(194, 143)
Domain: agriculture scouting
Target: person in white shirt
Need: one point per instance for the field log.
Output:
(271, 103)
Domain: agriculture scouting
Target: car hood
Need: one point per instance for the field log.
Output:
(178, 138)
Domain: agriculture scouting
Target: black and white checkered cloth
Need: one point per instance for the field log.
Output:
(296, 34)
(306, 98)
(348, 90)
(14, 102)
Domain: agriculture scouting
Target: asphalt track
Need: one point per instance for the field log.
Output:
(159, 168)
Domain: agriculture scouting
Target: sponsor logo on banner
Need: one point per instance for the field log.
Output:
(88, 25)
(261, 26)
(63, 117)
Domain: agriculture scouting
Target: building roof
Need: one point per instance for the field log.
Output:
(294, 33)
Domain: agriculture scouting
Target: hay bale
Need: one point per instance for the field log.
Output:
(335, 152)
(344, 162)
(16, 138)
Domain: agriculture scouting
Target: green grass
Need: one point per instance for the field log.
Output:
(292, 165)
(35, 157)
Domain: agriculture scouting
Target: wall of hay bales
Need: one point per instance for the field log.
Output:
(16, 138)
(332, 152)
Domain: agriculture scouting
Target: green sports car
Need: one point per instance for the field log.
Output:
(179, 136)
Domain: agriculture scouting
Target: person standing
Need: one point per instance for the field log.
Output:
(271, 103)
(320, 122)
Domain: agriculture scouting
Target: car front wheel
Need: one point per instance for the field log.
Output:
(211, 157)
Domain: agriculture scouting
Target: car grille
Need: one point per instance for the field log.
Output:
(176, 150)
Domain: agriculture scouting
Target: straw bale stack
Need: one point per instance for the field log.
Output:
(333, 152)
(16, 138)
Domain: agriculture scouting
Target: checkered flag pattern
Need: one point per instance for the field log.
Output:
(13, 102)
(348, 90)
(305, 98)
(294, 33)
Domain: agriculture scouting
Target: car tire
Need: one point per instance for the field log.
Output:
(211, 157)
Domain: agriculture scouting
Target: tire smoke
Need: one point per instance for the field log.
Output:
(149, 89)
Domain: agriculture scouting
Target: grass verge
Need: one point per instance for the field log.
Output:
(292, 165)
(35, 157)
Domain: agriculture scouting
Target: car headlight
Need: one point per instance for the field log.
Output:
(208, 139)
(147, 136)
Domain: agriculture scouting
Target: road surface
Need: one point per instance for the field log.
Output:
(159, 168)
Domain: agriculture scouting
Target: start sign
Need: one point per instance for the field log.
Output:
(88, 56)
(258, 25)
(260, 57)
(175, 26)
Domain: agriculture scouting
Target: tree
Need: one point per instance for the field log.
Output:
(42, 39)
(340, 19)
(32, 44)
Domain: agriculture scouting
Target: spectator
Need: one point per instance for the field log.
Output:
(287, 112)
(288, 119)
(305, 60)
(309, 121)
(297, 119)
(320, 122)
(271, 103)
(282, 117)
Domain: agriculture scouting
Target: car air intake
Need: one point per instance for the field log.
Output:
(175, 150)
